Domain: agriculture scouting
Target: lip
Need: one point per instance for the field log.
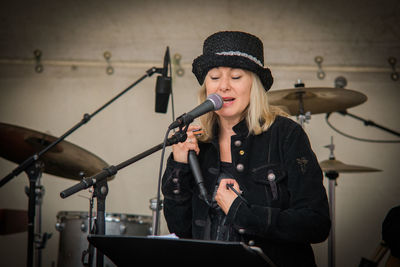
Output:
(227, 104)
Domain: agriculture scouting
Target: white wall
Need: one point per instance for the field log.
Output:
(355, 40)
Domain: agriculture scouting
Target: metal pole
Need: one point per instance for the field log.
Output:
(331, 239)
(332, 176)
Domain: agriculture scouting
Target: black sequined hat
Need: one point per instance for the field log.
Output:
(236, 50)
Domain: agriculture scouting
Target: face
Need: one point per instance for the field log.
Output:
(234, 86)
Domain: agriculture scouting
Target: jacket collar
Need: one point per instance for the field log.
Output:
(240, 129)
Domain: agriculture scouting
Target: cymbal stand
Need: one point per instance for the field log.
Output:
(40, 238)
(100, 191)
(303, 117)
(369, 122)
(332, 176)
(35, 188)
(34, 173)
(89, 252)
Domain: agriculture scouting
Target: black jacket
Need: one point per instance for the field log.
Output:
(287, 212)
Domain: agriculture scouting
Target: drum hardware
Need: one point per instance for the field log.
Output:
(154, 209)
(40, 239)
(332, 168)
(74, 249)
(92, 230)
(340, 82)
(302, 117)
(366, 123)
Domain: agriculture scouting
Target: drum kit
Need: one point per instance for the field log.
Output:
(73, 162)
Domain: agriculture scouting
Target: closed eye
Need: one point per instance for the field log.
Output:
(236, 77)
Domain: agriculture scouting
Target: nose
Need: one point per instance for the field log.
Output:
(224, 84)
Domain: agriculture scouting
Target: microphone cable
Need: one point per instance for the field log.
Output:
(157, 219)
(157, 213)
(172, 92)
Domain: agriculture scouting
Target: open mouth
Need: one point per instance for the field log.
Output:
(228, 99)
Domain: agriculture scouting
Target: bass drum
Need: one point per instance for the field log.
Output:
(74, 229)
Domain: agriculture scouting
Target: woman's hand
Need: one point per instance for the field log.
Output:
(180, 150)
(226, 196)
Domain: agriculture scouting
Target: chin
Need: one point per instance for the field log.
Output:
(228, 115)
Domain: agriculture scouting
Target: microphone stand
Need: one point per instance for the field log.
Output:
(30, 166)
(99, 182)
(368, 122)
(112, 170)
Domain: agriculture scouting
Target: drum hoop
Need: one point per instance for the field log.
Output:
(109, 217)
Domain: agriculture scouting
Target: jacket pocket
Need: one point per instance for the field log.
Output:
(274, 179)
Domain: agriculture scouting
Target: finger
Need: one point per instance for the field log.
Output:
(193, 127)
(191, 146)
(223, 184)
(191, 137)
(232, 182)
(228, 181)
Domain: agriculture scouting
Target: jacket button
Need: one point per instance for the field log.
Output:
(271, 176)
(241, 231)
(175, 180)
(241, 152)
(240, 167)
(237, 143)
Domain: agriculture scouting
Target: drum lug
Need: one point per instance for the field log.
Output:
(122, 229)
(83, 227)
(60, 226)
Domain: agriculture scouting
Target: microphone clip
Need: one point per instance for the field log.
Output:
(182, 121)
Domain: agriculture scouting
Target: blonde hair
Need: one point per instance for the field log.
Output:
(259, 115)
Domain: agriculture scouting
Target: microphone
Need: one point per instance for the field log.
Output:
(163, 86)
(213, 102)
(198, 177)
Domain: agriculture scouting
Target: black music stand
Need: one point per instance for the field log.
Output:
(137, 251)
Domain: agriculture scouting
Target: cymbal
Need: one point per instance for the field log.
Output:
(316, 99)
(13, 221)
(338, 166)
(65, 159)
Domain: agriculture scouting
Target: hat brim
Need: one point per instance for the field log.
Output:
(202, 64)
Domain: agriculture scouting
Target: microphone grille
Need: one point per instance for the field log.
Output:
(216, 99)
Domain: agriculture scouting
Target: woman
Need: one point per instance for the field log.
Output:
(281, 205)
